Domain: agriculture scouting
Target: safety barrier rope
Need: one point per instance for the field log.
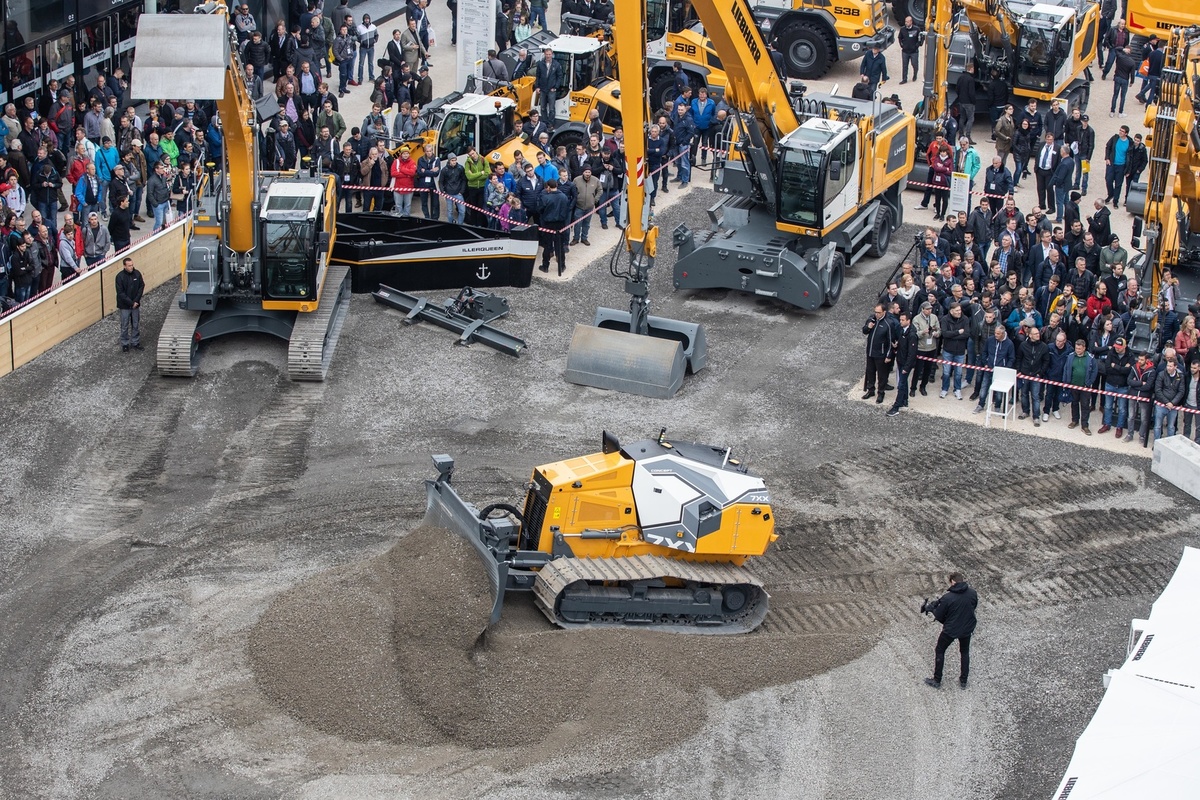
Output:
(1059, 384)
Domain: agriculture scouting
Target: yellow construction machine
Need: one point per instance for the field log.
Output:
(1167, 205)
(814, 34)
(811, 183)
(256, 255)
(654, 534)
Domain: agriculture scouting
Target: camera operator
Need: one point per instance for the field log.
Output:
(956, 611)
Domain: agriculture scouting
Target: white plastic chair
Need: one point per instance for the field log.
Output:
(1004, 380)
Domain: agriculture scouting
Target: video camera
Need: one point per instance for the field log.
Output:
(927, 606)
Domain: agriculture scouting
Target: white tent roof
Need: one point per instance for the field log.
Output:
(1144, 740)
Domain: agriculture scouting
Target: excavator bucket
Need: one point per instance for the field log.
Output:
(614, 359)
(444, 508)
(690, 335)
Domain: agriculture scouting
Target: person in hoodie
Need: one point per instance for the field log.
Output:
(956, 611)
(1142, 378)
(998, 351)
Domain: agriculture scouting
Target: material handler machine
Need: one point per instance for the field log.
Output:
(257, 249)
(654, 534)
(811, 183)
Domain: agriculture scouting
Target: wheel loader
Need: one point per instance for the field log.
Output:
(653, 534)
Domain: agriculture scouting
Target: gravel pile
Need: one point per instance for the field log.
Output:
(395, 649)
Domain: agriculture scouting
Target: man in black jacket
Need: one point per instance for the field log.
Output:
(880, 345)
(966, 101)
(956, 331)
(130, 287)
(910, 38)
(906, 361)
(956, 611)
(554, 212)
(1033, 356)
(547, 77)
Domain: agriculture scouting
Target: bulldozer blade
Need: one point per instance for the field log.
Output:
(689, 334)
(611, 359)
(444, 508)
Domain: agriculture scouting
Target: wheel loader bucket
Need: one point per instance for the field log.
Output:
(444, 508)
(613, 359)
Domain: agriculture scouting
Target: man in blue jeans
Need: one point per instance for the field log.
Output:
(1115, 366)
(1033, 356)
(998, 351)
(1168, 394)
(956, 330)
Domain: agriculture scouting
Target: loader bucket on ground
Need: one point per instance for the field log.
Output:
(690, 335)
(611, 359)
(445, 509)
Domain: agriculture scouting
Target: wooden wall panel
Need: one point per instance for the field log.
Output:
(55, 318)
(6, 365)
(74, 306)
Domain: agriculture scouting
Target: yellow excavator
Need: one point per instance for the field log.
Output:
(256, 254)
(1167, 205)
(811, 183)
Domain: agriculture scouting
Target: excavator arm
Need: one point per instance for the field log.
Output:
(213, 71)
(753, 84)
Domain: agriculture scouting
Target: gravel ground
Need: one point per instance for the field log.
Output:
(220, 587)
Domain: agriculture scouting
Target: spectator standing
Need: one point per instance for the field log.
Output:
(998, 351)
(477, 172)
(1060, 181)
(1117, 41)
(96, 240)
(119, 224)
(1125, 67)
(130, 287)
(1033, 357)
(966, 100)
(587, 194)
(1190, 406)
(874, 66)
(453, 183)
(429, 168)
(547, 78)
(1080, 372)
(880, 349)
(368, 35)
(554, 213)
(1168, 394)
(910, 38)
(906, 361)
(1138, 160)
(70, 249)
(158, 195)
(956, 330)
(1114, 367)
(1155, 56)
(404, 175)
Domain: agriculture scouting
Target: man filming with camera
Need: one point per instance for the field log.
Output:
(956, 611)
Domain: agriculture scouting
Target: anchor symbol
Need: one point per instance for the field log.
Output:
(483, 273)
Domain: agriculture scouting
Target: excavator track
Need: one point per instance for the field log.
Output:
(315, 335)
(177, 345)
(651, 592)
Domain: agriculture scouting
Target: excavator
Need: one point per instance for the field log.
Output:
(1041, 51)
(654, 534)
(256, 253)
(1167, 205)
(811, 184)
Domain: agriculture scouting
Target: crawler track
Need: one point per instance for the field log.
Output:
(651, 592)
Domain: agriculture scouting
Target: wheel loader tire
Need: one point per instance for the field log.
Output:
(917, 9)
(662, 90)
(567, 139)
(837, 277)
(881, 234)
(808, 50)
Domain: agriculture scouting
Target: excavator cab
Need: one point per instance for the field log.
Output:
(1045, 53)
(291, 221)
(818, 173)
(477, 121)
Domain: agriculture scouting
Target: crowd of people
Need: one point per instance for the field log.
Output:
(1056, 307)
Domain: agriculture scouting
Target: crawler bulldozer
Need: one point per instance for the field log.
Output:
(654, 534)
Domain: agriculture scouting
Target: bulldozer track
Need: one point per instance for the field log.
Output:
(177, 353)
(555, 578)
(315, 335)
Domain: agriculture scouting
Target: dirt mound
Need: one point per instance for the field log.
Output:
(394, 649)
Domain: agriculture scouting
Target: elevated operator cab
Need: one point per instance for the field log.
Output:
(292, 218)
(1045, 51)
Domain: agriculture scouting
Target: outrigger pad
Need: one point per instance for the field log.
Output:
(625, 362)
(689, 334)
